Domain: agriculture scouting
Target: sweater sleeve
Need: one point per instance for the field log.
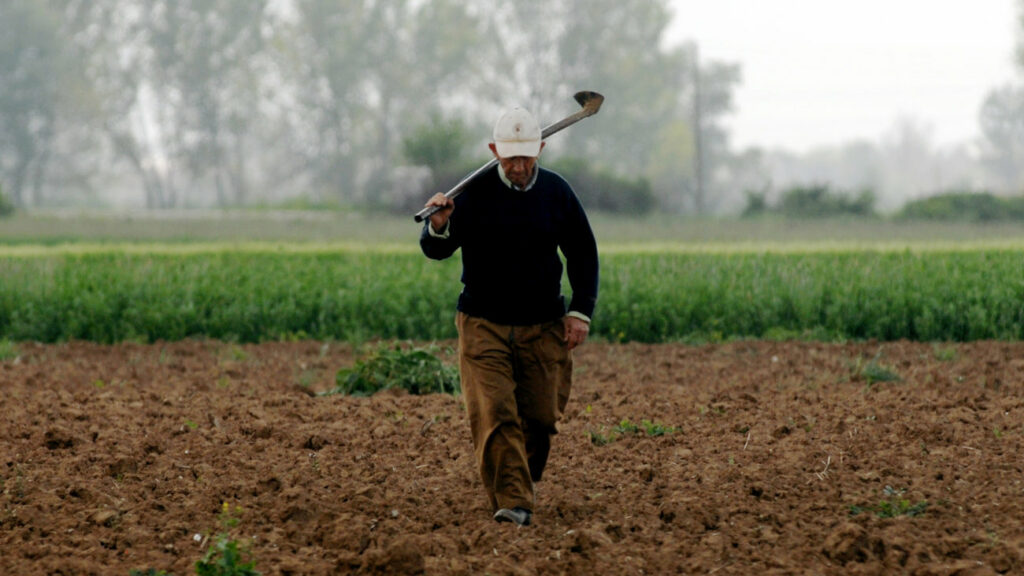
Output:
(441, 244)
(580, 249)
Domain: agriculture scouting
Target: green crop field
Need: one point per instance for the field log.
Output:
(258, 276)
(654, 292)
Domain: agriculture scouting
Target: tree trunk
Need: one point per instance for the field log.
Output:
(20, 173)
(42, 161)
(237, 173)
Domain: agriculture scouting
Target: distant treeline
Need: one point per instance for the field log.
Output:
(965, 206)
(167, 104)
(230, 103)
(820, 201)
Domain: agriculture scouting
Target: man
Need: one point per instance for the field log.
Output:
(515, 335)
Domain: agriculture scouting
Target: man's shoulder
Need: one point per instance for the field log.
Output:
(487, 180)
(551, 178)
(549, 173)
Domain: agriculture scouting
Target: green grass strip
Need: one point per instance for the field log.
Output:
(257, 292)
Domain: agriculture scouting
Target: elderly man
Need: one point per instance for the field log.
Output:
(515, 332)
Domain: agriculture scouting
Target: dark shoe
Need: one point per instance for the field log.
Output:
(518, 516)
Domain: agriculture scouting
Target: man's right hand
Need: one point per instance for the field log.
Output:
(439, 219)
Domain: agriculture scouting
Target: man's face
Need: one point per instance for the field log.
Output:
(518, 169)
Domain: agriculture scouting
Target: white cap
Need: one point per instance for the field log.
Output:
(517, 134)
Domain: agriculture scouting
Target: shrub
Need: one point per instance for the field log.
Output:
(6, 206)
(604, 191)
(964, 206)
(442, 147)
(812, 201)
(818, 201)
(757, 203)
(439, 144)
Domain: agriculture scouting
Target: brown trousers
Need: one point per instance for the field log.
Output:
(515, 382)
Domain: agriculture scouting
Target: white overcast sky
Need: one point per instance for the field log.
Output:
(820, 72)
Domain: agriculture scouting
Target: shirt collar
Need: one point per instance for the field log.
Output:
(504, 178)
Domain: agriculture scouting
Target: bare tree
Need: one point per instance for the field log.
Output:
(1002, 128)
(361, 72)
(31, 64)
(178, 89)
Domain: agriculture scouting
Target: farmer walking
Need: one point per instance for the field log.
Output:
(515, 333)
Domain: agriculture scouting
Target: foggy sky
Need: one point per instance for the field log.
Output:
(825, 73)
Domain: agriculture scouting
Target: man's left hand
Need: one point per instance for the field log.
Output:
(576, 331)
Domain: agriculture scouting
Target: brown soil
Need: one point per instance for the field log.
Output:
(115, 458)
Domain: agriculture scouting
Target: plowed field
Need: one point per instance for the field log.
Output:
(772, 458)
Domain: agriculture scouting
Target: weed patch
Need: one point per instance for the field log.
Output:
(944, 353)
(872, 371)
(628, 428)
(893, 505)
(226, 557)
(416, 370)
(8, 350)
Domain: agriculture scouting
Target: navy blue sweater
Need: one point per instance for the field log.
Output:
(511, 271)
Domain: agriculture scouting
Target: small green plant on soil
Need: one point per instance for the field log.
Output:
(598, 439)
(417, 370)
(226, 556)
(628, 428)
(656, 429)
(235, 353)
(873, 371)
(149, 572)
(307, 378)
(892, 505)
(944, 353)
(8, 350)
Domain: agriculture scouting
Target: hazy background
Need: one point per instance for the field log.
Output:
(818, 73)
(351, 104)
